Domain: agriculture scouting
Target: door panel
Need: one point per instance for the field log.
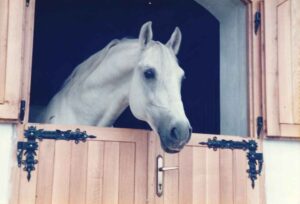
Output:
(204, 176)
(109, 169)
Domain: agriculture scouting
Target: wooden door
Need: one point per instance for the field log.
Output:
(110, 169)
(282, 70)
(204, 176)
(119, 166)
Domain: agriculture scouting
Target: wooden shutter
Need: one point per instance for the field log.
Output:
(11, 36)
(282, 57)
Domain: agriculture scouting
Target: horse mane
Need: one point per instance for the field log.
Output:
(89, 65)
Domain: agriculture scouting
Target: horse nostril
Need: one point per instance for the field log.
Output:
(174, 133)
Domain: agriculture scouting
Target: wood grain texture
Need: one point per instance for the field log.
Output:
(212, 177)
(95, 172)
(171, 183)
(284, 62)
(240, 177)
(45, 172)
(14, 61)
(199, 175)
(127, 173)
(78, 174)
(141, 168)
(186, 175)
(272, 97)
(61, 174)
(295, 34)
(226, 177)
(3, 46)
(111, 173)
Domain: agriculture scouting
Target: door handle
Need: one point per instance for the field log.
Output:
(160, 174)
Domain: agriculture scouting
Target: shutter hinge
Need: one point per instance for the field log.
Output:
(27, 2)
(257, 21)
(22, 111)
(259, 125)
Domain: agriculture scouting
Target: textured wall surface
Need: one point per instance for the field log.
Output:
(233, 68)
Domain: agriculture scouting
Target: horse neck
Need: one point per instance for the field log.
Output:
(107, 86)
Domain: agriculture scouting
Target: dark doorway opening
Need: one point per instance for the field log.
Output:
(68, 32)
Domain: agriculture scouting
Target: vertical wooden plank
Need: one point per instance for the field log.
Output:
(78, 173)
(45, 173)
(158, 151)
(212, 177)
(95, 172)
(61, 176)
(295, 25)
(240, 177)
(284, 62)
(272, 98)
(3, 45)
(27, 55)
(126, 173)
(171, 181)
(141, 169)
(226, 177)
(111, 173)
(186, 175)
(151, 174)
(199, 175)
(14, 50)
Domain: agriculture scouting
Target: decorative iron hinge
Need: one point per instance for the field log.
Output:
(22, 110)
(28, 149)
(257, 21)
(259, 125)
(27, 2)
(254, 158)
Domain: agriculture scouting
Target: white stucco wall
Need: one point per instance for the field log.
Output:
(7, 145)
(282, 167)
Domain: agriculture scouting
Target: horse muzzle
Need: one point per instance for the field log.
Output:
(175, 137)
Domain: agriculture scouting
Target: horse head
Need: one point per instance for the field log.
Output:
(155, 90)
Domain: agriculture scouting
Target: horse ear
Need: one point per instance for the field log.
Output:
(146, 33)
(175, 40)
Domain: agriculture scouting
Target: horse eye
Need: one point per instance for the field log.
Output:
(149, 73)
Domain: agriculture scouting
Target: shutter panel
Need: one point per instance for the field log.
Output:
(282, 67)
(11, 36)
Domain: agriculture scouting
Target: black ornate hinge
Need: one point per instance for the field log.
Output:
(27, 2)
(257, 21)
(259, 125)
(22, 110)
(28, 149)
(254, 158)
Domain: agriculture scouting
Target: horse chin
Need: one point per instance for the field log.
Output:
(169, 149)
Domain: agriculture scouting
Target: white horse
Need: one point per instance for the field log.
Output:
(140, 73)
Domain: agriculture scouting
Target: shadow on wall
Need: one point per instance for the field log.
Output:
(68, 32)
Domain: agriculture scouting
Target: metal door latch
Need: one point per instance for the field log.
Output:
(28, 148)
(160, 174)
